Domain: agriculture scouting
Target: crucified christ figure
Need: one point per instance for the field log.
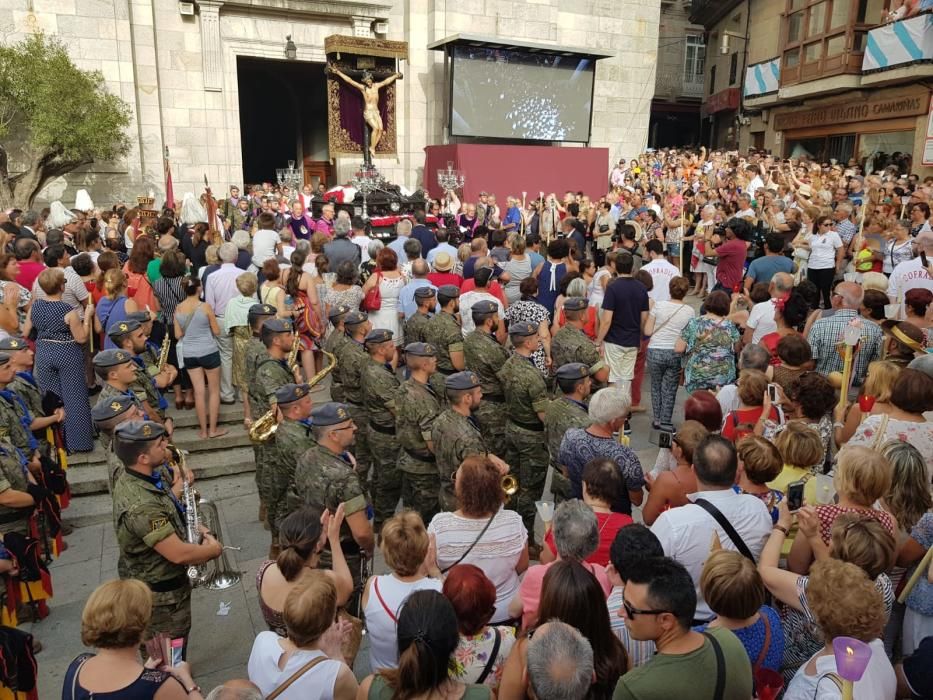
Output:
(370, 92)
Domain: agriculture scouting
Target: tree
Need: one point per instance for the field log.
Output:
(54, 117)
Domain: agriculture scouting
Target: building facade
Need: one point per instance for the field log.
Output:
(212, 84)
(833, 79)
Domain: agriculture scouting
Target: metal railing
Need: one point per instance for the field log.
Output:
(674, 83)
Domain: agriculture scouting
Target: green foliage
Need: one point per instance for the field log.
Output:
(62, 115)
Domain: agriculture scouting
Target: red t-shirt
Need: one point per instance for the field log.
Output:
(731, 263)
(741, 423)
(439, 279)
(609, 524)
(492, 287)
(28, 271)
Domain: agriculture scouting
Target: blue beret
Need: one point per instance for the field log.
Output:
(451, 291)
(425, 292)
(331, 413)
(573, 370)
(575, 304)
(111, 358)
(378, 335)
(421, 350)
(125, 326)
(289, 393)
(485, 306)
(105, 410)
(338, 310)
(141, 316)
(139, 431)
(354, 318)
(257, 310)
(461, 381)
(277, 325)
(523, 329)
(12, 344)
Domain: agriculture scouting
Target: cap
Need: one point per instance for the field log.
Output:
(289, 393)
(378, 335)
(575, 304)
(139, 431)
(338, 310)
(573, 370)
(12, 344)
(111, 358)
(354, 318)
(421, 350)
(123, 327)
(277, 325)
(141, 316)
(451, 291)
(443, 262)
(425, 292)
(485, 306)
(523, 329)
(461, 381)
(105, 410)
(330, 413)
(257, 310)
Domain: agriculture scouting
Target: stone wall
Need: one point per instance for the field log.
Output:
(179, 75)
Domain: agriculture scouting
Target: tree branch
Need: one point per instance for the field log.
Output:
(4, 163)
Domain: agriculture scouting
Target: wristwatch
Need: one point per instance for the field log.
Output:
(192, 689)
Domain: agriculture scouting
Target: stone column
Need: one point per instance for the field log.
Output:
(211, 55)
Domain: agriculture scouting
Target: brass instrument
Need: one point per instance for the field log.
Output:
(509, 486)
(292, 359)
(163, 352)
(189, 498)
(265, 426)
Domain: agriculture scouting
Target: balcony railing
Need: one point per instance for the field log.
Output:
(672, 84)
(899, 43)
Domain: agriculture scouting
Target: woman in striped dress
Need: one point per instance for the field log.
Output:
(59, 363)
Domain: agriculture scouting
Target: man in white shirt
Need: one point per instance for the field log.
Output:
(755, 181)
(358, 236)
(219, 289)
(761, 318)
(661, 271)
(481, 276)
(687, 533)
(265, 241)
(913, 274)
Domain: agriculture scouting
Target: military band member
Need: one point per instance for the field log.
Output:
(484, 354)
(149, 355)
(570, 343)
(291, 440)
(26, 387)
(107, 415)
(129, 336)
(149, 521)
(272, 372)
(350, 363)
(563, 413)
(333, 343)
(417, 407)
(414, 327)
(526, 398)
(15, 418)
(380, 387)
(257, 315)
(325, 476)
(443, 331)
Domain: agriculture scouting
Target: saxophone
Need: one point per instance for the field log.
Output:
(292, 359)
(163, 352)
(265, 426)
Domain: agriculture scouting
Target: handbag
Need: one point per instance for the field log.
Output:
(604, 228)
(473, 544)
(373, 299)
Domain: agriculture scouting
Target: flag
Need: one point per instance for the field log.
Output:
(169, 190)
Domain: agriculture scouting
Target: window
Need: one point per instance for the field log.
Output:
(694, 59)
(733, 68)
(712, 80)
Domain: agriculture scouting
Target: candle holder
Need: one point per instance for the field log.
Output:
(852, 657)
(450, 179)
(288, 177)
(367, 180)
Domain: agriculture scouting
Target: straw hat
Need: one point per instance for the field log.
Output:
(443, 262)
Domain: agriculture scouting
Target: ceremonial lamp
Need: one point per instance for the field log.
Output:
(288, 177)
(850, 338)
(367, 180)
(449, 180)
(852, 657)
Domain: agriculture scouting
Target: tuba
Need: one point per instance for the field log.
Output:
(264, 427)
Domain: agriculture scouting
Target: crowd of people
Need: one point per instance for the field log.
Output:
(473, 362)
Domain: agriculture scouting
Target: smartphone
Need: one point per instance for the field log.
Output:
(795, 496)
(772, 393)
(177, 650)
(665, 440)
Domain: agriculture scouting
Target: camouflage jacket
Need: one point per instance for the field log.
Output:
(255, 352)
(380, 387)
(484, 355)
(12, 476)
(350, 364)
(443, 332)
(145, 389)
(417, 406)
(570, 344)
(334, 345)
(270, 375)
(525, 390)
(413, 329)
(455, 437)
(11, 423)
(561, 415)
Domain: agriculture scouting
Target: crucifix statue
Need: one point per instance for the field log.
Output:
(371, 116)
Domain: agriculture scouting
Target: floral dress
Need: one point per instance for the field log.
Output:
(530, 312)
(710, 359)
(471, 656)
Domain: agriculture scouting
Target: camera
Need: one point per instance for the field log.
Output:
(665, 440)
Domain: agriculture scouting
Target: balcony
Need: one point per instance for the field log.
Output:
(708, 12)
(671, 85)
(898, 49)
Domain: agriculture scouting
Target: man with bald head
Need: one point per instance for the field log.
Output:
(236, 689)
(761, 318)
(559, 663)
(827, 332)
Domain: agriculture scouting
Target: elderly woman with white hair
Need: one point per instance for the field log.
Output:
(704, 273)
(242, 241)
(609, 408)
(369, 266)
(576, 537)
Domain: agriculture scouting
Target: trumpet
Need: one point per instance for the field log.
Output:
(509, 485)
(189, 498)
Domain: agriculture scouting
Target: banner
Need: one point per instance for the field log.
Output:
(901, 42)
(763, 78)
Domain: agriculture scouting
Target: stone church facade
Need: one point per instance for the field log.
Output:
(179, 73)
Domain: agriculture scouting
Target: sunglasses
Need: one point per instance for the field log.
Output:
(632, 612)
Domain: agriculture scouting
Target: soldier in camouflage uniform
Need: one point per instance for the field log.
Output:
(129, 336)
(414, 327)
(563, 413)
(333, 344)
(107, 416)
(26, 388)
(325, 477)
(14, 415)
(570, 343)
(350, 362)
(257, 315)
(20, 492)
(150, 527)
(272, 372)
(291, 440)
(380, 388)
(484, 354)
(149, 355)
(417, 406)
(526, 398)
(443, 331)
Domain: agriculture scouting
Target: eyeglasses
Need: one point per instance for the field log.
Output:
(632, 612)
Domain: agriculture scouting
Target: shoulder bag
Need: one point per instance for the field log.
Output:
(473, 544)
(493, 655)
(373, 299)
(720, 667)
(295, 676)
(727, 527)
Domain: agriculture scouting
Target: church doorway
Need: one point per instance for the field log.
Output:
(283, 116)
